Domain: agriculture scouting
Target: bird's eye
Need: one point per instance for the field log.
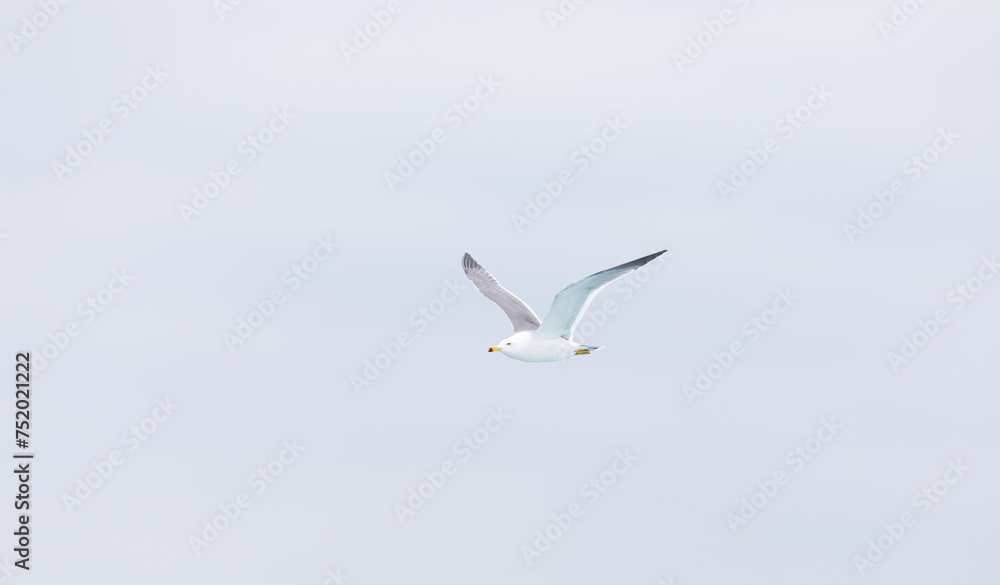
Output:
(508, 343)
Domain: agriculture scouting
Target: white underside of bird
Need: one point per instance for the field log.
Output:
(552, 339)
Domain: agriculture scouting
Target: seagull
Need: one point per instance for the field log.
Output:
(551, 340)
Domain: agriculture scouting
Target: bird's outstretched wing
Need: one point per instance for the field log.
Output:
(521, 316)
(571, 303)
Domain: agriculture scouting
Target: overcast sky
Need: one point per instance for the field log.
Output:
(301, 350)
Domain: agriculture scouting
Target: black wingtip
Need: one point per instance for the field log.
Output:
(469, 263)
(633, 265)
(646, 259)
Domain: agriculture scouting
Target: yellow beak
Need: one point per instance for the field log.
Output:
(494, 348)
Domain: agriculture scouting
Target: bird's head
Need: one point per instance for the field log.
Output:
(511, 342)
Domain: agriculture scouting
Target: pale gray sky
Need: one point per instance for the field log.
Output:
(262, 101)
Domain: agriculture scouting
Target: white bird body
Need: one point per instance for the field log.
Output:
(552, 339)
(525, 347)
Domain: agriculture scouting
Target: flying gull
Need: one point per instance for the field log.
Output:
(552, 339)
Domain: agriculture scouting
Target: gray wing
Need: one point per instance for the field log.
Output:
(571, 303)
(521, 316)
